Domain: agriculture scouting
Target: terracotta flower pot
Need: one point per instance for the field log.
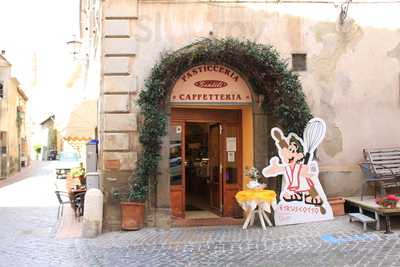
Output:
(337, 205)
(132, 215)
(82, 179)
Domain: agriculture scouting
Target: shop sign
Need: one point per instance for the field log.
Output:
(211, 83)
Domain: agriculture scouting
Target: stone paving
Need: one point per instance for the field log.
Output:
(333, 243)
(28, 237)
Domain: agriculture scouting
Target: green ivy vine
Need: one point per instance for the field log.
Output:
(267, 73)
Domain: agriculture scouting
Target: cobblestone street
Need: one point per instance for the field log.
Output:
(28, 230)
(334, 243)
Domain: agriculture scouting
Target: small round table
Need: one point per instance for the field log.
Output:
(256, 201)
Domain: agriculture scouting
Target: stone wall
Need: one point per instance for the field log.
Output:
(118, 111)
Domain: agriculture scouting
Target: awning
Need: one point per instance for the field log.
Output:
(82, 123)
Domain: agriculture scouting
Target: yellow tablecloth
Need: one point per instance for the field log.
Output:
(257, 195)
(250, 199)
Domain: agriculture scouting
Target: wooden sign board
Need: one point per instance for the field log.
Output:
(302, 198)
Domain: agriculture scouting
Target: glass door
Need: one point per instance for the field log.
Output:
(176, 166)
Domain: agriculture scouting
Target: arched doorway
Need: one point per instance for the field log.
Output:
(211, 107)
(278, 100)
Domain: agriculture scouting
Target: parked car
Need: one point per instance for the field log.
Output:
(66, 161)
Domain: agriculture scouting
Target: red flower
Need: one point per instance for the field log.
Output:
(392, 197)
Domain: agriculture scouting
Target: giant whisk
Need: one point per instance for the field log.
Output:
(313, 134)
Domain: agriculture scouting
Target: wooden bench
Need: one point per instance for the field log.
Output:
(382, 167)
(386, 161)
(360, 217)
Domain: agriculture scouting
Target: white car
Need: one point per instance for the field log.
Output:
(66, 161)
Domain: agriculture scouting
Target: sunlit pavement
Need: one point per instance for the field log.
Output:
(36, 190)
(30, 236)
(28, 221)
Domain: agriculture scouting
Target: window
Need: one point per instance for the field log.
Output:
(175, 154)
(1, 89)
(299, 62)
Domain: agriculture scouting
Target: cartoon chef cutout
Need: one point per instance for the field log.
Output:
(302, 198)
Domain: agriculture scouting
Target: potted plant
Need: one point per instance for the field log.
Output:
(78, 172)
(132, 200)
(38, 149)
(389, 201)
(337, 205)
(254, 174)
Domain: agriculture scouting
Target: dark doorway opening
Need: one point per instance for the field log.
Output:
(202, 167)
(205, 162)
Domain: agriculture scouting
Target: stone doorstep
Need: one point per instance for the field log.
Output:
(178, 222)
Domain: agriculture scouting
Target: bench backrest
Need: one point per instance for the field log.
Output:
(384, 160)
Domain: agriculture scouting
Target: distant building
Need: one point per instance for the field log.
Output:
(23, 132)
(14, 134)
(49, 137)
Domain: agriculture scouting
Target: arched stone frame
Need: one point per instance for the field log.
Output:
(277, 89)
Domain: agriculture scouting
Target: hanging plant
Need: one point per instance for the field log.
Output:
(266, 71)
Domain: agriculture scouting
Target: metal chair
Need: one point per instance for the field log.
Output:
(63, 198)
(385, 182)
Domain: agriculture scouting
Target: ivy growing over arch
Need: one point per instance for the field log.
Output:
(266, 72)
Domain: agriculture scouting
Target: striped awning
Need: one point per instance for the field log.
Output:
(82, 123)
(77, 138)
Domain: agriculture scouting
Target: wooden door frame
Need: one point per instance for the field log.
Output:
(239, 159)
(180, 188)
(224, 117)
(220, 196)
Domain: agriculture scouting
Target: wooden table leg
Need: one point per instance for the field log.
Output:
(248, 218)
(260, 215)
(388, 228)
(253, 215)
(266, 218)
(378, 222)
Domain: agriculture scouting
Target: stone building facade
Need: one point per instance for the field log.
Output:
(346, 55)
(14, 133)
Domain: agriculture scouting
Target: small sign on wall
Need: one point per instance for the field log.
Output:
(231, 156)
(231, 144)
(114, 164)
